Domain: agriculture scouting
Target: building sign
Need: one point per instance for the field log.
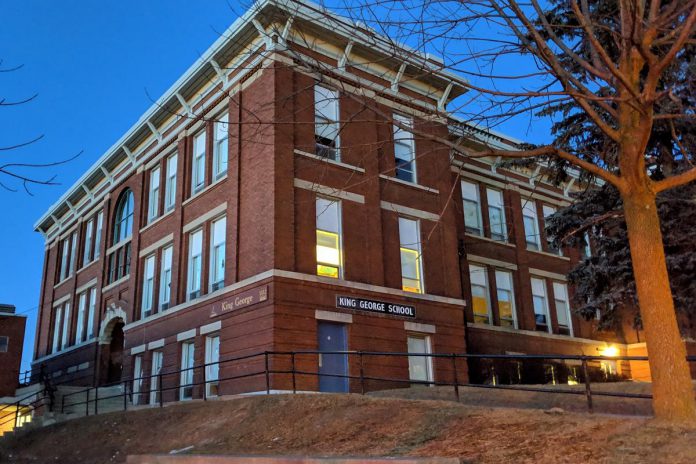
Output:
(348, 302)
(239, 301)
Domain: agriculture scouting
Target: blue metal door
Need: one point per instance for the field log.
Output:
(332, 337)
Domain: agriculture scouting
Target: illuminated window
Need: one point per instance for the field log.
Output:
(326, 122)
(329, 254)
(472, 208)
(496, 214)
(404, 149)
(480, 297)
(411, 262)
(506, 299)
(541, 304)
(531, 224)
(560, 297)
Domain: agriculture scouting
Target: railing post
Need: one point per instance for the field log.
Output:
(455, 378)
(268, 376)
(362, 373)
(96, 401)
(16, 421)
(294, 381)
(125, 399)
(87, 403)
(62, 404)
(588, 389)
(159, 389)
(205, 383)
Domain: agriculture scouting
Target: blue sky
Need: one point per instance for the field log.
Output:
(92, 65)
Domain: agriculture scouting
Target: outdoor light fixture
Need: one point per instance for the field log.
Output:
(609, 351)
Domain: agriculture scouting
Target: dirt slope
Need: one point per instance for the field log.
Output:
(355, 425)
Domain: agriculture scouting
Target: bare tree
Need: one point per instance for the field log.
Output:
(14, 170)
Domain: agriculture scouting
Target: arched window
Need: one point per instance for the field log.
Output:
(123, 221)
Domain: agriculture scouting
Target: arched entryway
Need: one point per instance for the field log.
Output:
(115, 365)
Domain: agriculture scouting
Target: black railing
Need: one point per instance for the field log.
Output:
(370, 371)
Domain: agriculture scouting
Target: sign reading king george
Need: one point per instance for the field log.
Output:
(240, 300)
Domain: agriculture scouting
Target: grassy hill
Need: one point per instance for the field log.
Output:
(332, 425)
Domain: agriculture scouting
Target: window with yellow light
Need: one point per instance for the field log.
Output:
(328, 238)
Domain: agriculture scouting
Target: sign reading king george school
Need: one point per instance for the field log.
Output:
(348, 302)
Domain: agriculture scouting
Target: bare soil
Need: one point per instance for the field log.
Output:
(353, 425)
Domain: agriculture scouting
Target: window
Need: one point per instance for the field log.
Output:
(548, 211)
(329, 256)
(64, 260)
(4, 344)
(87, 253)
(148, 286)
(480, 297)
(217, 254)
(496, 214)
(506, 299)
(153, 196)
(212, 368)
(420, 368)
(326, 122)
(155, 369)
(186, 379)
(194, 264)
(472, 208)
(198, 165)
(98, 234)
(91, 314)
(411, 263)
(586, 250)
(123, 221)
(166, 278)
(220, 147)
(65, 337)
(81, 309)
(57, 320)
(531, 224)
(73, 252)
(137, 378)
(541, 305)
(560, 297)
(170, 184)
(404, 149)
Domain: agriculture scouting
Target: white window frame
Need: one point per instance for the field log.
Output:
(218, 242)
(428, 359)
(57, 324)
(478, 277)
(330, 99)
(87, 252)
(509, 278)
(198, 162)
(80, 326)
(65, 255)
(138, 375)
(329, 210)
(188, 356)
(560, 294)
(73, 253)
(405, 138)
(165, 293)
(212, 368)
(195, 266)
(529, 211)
(470, 202)
(545, 297)
(156, 365)
(154, 194)
(65, 336)
(91, 314)
(221, 133)
(496, 201)
(148, 299)
(98, 235)
(410, 249)
(170, 183)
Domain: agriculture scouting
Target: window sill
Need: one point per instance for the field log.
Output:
(117, 246)
(409, 184)
(329, 161)
(156, 220)
(552, 255)
(202, 191)
(486, 239)
(116, 283)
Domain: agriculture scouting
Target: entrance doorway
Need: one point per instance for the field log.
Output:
(332, 337)
(115, 368)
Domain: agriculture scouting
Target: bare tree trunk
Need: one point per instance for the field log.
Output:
(673, 395)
